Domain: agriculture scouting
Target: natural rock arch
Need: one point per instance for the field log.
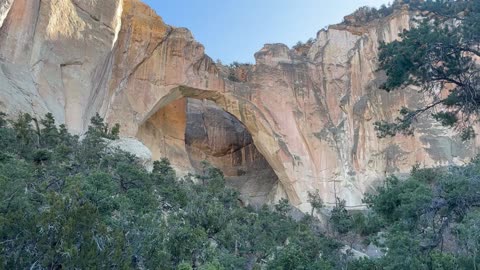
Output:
(263, 135)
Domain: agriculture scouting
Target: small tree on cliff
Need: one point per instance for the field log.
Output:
(315, 201)
(283, 207)
(441, 52)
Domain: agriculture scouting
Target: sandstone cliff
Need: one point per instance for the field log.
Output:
(309, 113)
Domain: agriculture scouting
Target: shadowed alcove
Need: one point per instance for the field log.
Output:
(188, 131)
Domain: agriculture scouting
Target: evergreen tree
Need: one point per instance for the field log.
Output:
(340, 218)
(439, 53)
(315, 201)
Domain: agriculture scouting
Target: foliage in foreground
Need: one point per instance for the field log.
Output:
(441, 52)
(71, 204)
(429, 221)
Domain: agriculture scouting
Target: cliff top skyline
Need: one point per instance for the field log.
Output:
(234, 31)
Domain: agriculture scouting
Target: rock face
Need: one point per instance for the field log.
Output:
(136, 148)
(309, 113)
(221, 139)
(64, 47)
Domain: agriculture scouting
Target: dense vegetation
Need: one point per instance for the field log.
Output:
(441, 52)
(428, 221)
(77, 204)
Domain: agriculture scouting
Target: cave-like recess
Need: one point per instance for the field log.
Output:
(189, 131)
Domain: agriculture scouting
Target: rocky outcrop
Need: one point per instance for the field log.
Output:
(134, 147)
(308, 112)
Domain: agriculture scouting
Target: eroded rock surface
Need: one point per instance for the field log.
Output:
(309, 112)
(65, 48)
(221, 139)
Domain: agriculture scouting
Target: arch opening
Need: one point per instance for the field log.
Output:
(221, 139)
(190, 129)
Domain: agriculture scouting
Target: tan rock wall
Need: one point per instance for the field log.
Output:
(65, 46)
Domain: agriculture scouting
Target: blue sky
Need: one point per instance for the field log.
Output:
(233, 30)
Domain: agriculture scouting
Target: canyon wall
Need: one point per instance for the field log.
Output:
(309, 113)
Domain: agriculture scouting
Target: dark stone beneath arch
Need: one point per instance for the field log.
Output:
(220, 138)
